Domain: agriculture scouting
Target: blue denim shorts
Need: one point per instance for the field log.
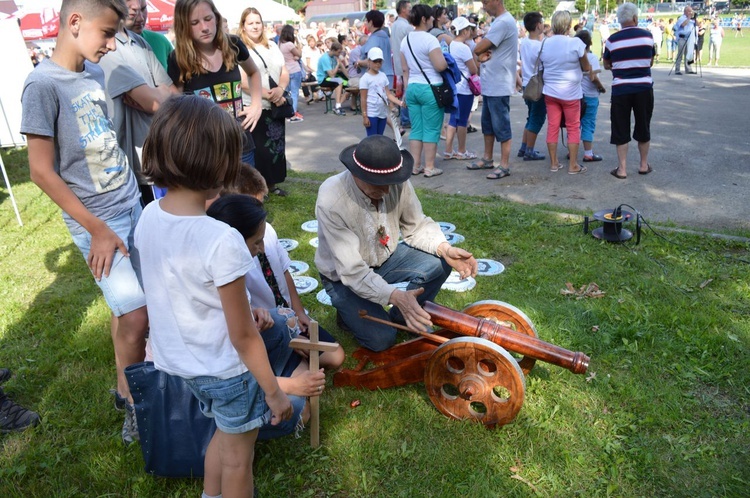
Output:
(496, 118)
(122, 289)
(536, 116)
(237, 404)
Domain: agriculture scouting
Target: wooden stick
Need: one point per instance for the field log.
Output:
(433, 337)
(314, 400)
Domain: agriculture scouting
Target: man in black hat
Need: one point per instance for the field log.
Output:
(360, 213)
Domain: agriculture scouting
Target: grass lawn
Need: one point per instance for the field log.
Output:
(735, 52)
(663, 411)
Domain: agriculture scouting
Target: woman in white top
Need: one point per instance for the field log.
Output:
(564, 61)
(310, 55)
(459, 120)
(714, 42)
(422, 61)
(269, 133)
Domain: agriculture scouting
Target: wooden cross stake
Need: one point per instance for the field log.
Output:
(314, 347)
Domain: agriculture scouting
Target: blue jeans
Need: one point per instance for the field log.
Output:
(496, 118)
(295, 83)
(536, 116)
(406, 264)
(588, 120)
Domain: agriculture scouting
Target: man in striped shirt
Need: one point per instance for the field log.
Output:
(629, 54)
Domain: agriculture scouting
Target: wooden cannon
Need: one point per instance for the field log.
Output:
(466, 364)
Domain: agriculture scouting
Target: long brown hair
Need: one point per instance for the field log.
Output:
(189, 59)
(244, 36)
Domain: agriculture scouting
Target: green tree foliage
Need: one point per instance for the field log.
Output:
(547, 7)
(581, 5)
(514, 7)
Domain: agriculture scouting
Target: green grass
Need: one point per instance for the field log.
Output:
(735, 52)
(663, 411)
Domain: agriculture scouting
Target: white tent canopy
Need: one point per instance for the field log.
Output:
(270, 11)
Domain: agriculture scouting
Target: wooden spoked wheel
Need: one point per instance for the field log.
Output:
(509, 316)
(473, 378)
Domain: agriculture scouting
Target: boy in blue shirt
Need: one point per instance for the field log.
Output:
(75, 159)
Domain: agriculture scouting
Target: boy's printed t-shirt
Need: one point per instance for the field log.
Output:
(71, 107)
(375, 86)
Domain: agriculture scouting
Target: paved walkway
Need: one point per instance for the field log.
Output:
(700, 151)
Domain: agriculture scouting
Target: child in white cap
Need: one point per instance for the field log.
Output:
(374, 94)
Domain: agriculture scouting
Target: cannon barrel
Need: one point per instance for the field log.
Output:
(509, 339)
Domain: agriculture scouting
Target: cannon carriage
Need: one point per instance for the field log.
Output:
(473, 366)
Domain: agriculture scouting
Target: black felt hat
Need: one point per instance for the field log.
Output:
(377, 160)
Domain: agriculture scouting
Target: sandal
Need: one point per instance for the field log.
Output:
(482, 164)
(447, 156)
(649, 170)
(582, 169)
(617, 175)
(498, 173)
(429, 173)
(417, 171)
(555, 168)
(464, 156)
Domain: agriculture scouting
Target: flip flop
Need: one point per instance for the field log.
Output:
(555, 169)
(578, 172)
(614, 173)
(498, 173)
(649, 170)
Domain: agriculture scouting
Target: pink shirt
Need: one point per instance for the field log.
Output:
(291, 63)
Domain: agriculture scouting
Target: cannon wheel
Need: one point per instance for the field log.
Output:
(509, 316)
(475, 379)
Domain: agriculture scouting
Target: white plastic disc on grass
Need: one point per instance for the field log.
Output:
(456, 284)
(305, 284)
(288, 244)
(454, 238)
(323, 297)
(310, 226)
(298, 267)
(446, 227)
(489, 267)
(314, 242)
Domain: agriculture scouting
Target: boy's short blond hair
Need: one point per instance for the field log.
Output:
(92, 7)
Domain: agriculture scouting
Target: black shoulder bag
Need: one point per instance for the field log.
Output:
(443, 93)
(285, 110)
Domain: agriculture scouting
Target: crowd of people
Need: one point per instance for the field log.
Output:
(161, 158)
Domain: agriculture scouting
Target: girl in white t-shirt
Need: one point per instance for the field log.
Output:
(202, 327)
(374, 94)
(459, 120)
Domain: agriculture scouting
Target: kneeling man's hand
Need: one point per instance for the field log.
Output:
(406, 301)
(460, 260)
